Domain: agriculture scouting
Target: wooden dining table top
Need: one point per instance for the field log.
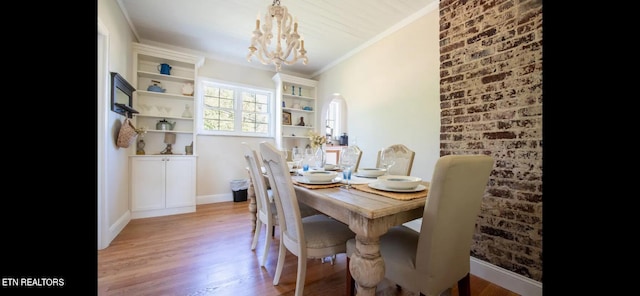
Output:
(339, 201)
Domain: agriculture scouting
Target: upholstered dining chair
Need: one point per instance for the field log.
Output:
(316, 236)
(437, 258)
(355, 167)
(403, 160)
(266, 212)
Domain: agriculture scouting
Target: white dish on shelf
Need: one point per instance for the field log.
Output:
(379, 186)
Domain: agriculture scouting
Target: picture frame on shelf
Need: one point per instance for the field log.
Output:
(286, 118)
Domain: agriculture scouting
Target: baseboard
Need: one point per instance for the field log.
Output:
(505, 278)
(206, 199)
(116, 228)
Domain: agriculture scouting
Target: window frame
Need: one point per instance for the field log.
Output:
(238, 89)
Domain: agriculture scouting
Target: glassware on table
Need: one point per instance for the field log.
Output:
(297, 156)
(348, 158)
(387, 158)
(307, 160)
(320, 158)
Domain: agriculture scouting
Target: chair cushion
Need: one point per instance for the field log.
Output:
(321, 232)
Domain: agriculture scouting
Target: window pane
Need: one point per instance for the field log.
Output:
(226, 103)
(211, 102)
(236, 109)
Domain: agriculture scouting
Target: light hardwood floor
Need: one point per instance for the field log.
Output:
(209, 253)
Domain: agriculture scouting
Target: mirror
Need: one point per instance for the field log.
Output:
(121, 95)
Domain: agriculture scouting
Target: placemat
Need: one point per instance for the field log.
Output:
(395, 195)
(316, 186)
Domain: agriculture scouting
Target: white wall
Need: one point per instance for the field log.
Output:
(392, 92)
(220, 158)
(115, 166)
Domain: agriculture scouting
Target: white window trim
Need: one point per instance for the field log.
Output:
(200, 100)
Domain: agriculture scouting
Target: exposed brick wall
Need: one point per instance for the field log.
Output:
(491, 101)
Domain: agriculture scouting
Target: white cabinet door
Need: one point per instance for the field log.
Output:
(147, 183)
(180, 182)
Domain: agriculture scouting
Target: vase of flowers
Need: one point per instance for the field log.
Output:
(317, 144)
(316, 140)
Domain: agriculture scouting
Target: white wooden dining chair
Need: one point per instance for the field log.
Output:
(316, 236)
(266, 212)
(403, 160)
(437, 258)
(266, 208)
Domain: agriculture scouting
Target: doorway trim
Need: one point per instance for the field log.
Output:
(103, 94)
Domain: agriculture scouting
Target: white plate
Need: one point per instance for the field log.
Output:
(377, 185)
(366, 176)
(304, 180)
(355, 180)
(370, 172)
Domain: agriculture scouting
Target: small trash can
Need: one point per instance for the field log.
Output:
(239, 188)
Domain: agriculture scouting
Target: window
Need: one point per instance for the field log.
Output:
(231, 109)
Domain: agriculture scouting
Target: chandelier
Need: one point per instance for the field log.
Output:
(287, 33)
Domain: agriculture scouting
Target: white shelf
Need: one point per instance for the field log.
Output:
(290, 96)
(169, 131)
(164, 95)
(165, 77)
(162, 116)
(297, 110)
(298, 126)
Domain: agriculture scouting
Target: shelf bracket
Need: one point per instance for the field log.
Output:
(130, 111)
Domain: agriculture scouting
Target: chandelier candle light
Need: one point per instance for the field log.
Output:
(287, 33)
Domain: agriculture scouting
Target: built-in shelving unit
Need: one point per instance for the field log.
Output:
(164, 183)
(296, 98)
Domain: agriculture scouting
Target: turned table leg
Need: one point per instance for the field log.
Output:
(253, 209)
(366, 263)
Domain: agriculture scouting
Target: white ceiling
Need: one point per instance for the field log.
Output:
(332, 29)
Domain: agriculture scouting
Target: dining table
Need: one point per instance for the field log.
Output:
(370, 213)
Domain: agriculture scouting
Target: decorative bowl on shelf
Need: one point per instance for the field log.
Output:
(187, 89)
(156, 88)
